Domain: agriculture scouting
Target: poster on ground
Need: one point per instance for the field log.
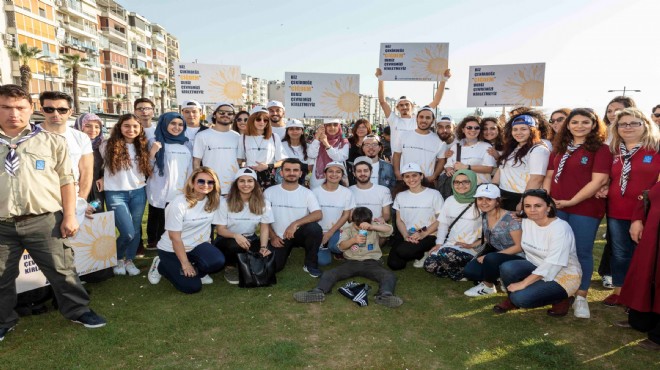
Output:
(208, 83)
(94, 249)
(413, 61)
(506, 85)
(322, 95)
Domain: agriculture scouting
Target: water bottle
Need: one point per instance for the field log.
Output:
(95, 204)
(363, 233)
(411, 231)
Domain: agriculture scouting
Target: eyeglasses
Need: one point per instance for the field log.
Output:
(144, 109)
(241, 119)
(558, 120)
(59, 110)
(225, 113)
(473, 128)
(463, 183)
(202, 182)
(629, 125)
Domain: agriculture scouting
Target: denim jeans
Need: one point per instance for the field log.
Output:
(540, 293)
(325, 251)
(584, 229)
(129, 209)
(205, 257)
(489, 270)
(622, 249)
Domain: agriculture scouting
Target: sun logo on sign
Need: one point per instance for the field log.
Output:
(431, 63)
(226, 85)
(95, 244)
(525, 86)
(341, 99)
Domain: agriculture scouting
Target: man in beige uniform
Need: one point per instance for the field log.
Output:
(37, 210)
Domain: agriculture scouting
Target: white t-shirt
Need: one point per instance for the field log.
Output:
(375, 167)
(193, 223)
(399, 125)
(243, 222)
(421, 149)
(333, 204)
(79, 145)
(295, 152)
(150, 132)
(177, 167)
(123, 180)
(191, 132)
(418, 210)
(548, 143)
(375, 198)
(474, 155)
(466, 230)
(280, 131)
(336, 154)
(219, 150)
(289, 206)
(514, 178)
(259, 149)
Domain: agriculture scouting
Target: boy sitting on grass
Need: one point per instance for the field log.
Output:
(362, 254)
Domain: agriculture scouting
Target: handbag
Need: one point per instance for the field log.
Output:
(444, 182)
(255, 270)
(485, 246)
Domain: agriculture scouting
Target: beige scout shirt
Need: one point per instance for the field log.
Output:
(371, 250)
(45, 167)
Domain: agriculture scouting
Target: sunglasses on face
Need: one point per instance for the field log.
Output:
(558, 120)
(473, 128)
(629, 125)
(262, 120)
(241, 119)
(225, 113)
(656, 115)
(59, 110)
(202, 182)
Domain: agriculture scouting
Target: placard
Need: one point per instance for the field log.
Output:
(506, 85)
(322, 95)
(94, 248)
(413, 61)
(208, 83)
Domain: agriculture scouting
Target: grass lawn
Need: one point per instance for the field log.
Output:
(437, 327)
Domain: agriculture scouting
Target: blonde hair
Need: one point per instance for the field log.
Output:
(650, 138)
(213, 198)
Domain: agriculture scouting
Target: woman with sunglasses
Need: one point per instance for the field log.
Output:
(295, 146)
(550, 272)
(557, 121)
(655, 116)
(185, 253)
(329, 145)
(579, 166)
(240, 122)
(261, 148)
(635, 143)
(459, 229)
(524, 162)
(493, 133)
(474, 154)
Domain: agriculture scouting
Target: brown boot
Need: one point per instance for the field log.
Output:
(561, 308)
(505, 306)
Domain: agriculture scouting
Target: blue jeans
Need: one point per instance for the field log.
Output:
(325, 252)
(205, 257)
(540, 293)
(584, 229)
(622, 249)
(129, 209)
(489, 270)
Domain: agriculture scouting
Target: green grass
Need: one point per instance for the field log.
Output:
(155, 327)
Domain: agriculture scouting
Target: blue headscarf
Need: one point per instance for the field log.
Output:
(165, 137)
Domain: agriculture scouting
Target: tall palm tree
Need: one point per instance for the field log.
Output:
(143, 73)
(24, 54)
(72, 64)
(116, 102)
(164, 87)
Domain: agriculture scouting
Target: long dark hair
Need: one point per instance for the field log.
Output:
(116, 153)
(510, 144)
(593, 141)
(498, 143)
(303, 142)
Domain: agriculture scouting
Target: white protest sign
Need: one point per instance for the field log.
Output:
(506, 85)
(94, 249)
(413, 61)
(322, 95)
(208, 83)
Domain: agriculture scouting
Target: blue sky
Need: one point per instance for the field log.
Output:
(589, 47)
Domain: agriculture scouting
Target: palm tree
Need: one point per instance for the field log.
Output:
(117, 102)
(164, 86)
(24, 54)
(143, 73)
(72, 64)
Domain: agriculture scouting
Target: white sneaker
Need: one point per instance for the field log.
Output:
(206, 280)
(479, 290)
(120, 269)
(131, 269)
(420, 262)
(154, 276)
(581, 308)
(502, 287)
(607, 282)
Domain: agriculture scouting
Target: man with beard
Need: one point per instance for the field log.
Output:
(382, 172)
(367, 194)
(144, 110)
(191, 111)
(296, 212)
(218, 147)
(445, 127)
(421, 146)
(276, 116)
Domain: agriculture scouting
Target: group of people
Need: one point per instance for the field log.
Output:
(515, 204)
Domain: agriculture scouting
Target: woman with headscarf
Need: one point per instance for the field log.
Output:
(459, 229)
(329, 145)
(172, 164)
(92, 125)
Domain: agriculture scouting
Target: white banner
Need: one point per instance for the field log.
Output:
(208, 83)
(506, 85)
(413, 61)
(322, 95)
(94, 249)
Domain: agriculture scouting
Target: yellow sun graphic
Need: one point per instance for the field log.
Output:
(431, 63)
(226, 85)
(342, 99)
(95, 246)
(525, 86)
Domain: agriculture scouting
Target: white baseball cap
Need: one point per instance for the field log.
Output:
(362, 158)
(445, 118)
(294, 123)
(191, 104)
(245, 172)
(223, 104)
(402, 99)
(335, 164)
(327, 121)
(274, 103)
(489, 191)
(411, 167)
(257, 109)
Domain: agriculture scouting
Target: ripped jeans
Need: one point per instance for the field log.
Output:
(129, 209)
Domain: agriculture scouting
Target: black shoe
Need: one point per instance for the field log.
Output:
(389, 300)
(91, 320)
(4, 331)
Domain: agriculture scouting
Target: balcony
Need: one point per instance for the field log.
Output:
(118, 48)
(86, 46)
(79, 28)
(118, 65)
(119, 81)
(114, 32)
